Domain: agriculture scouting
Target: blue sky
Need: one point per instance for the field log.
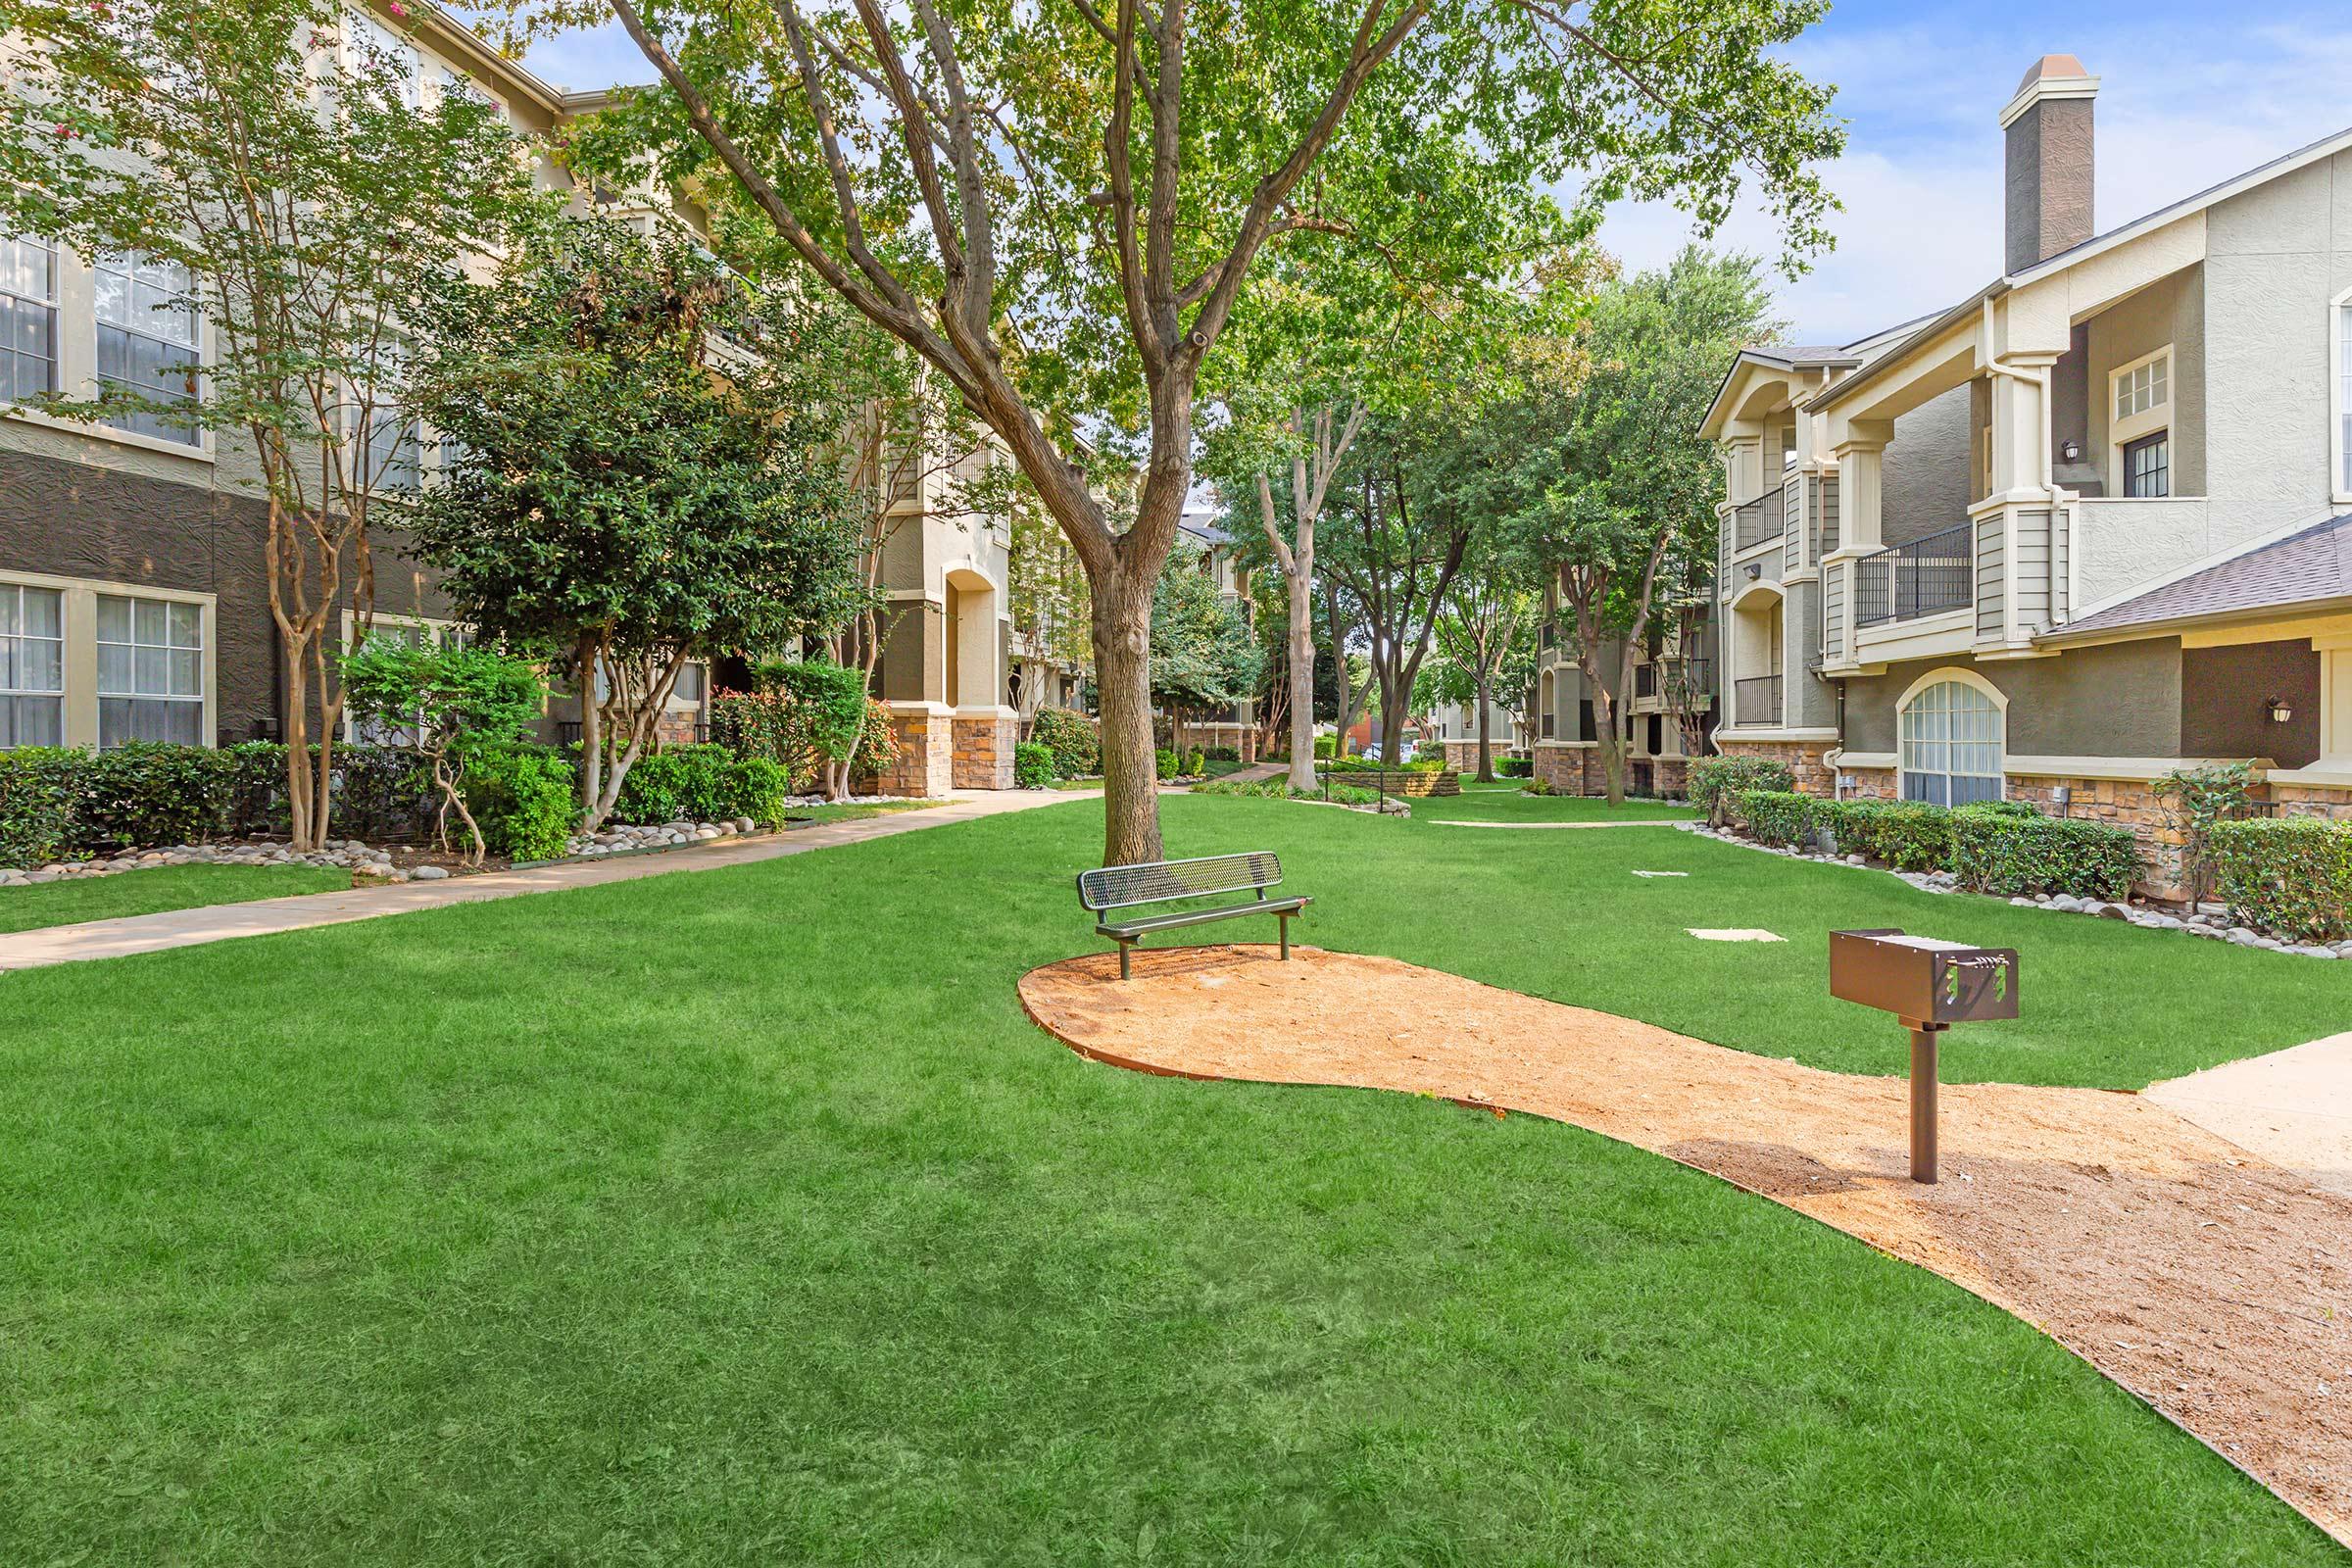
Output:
(2190, 93)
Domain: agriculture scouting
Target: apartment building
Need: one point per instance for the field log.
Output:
(1664, 707)
(2087, 527)
(133, 602)
(1206, 548)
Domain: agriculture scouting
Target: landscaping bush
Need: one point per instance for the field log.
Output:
(1223, 754)
(1538, 786)
(1778, 817)
(523, 799)
(1326, 747)
(1164, 763)
(1514, 766)
(1369, 764)
(1196, 761)
(1033, 765)
(1075, 741)
(1908, 835)
(40, 789)
(148, 792)
(2196, 800)
(2291, 875)
(755, 787)
(1717, 781)
(2001, 849)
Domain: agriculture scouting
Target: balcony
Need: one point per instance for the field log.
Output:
(1756, 701)
(1924, 578)
(1759, 521)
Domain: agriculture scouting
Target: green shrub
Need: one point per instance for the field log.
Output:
(1195, 762)
(1538, 786)
(2197, 799)
(1075, 740)
(755, 787)
(148, 793)
(1033, 765)
(1348, 795)
(40, 792)
(1716, 781)
(1326, 747)
(1908, 835)
(1778, 817)
(1996, 849)
(1223, 754)
(2289, 875)
(523, 800)
(1164, 763)
(1514, 766)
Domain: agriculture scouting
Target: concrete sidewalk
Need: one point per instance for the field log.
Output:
(187, 928)
(2293, 1107)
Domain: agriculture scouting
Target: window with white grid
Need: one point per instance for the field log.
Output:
(2144, 386)
(33, 666)
(28, 318)
(149, 340)
(1951, 745)
(150, 671)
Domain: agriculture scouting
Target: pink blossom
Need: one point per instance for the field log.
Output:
(397, 9)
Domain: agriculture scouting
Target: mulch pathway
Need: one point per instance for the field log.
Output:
(2214, 1286)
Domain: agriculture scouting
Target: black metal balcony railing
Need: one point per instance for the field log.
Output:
(1755, 521)
(1924, 577)
(1757, 699)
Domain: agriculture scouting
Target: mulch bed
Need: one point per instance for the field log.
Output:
(2215, 1287)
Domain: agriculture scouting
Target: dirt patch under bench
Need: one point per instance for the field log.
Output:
(2214, 1286)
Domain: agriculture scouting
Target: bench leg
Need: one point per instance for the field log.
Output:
(1125, 946)
(1284, 921)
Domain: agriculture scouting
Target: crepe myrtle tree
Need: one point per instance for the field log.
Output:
(277, 191)
(1056, 205)
(448, 704)
(647, 472)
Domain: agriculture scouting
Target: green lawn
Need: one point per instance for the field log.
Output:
(1507, 801)
(851, 811)
(165, 887)
(741, 1218)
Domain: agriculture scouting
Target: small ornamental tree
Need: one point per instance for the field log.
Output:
(279, 169)
(1202, 654)
(649, 474)
(449, 704)
(830, 703)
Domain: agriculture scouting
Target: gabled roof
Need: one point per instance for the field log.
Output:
(2309, 567)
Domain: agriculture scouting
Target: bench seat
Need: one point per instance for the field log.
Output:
(1129, 886)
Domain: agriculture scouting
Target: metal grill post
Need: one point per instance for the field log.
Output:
(1923, 1099)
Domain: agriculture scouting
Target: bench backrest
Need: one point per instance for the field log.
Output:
(1119, 887)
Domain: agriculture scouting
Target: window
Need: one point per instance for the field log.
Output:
(376, 46)
(2147, 467)
(1951, 740)
(33, 666)
(148, 340)
(689, 687)
(150, 671)
(2143, 386)
(28, 318)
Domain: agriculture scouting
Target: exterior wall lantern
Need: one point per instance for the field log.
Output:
(2070, 450)
(1755, 571)
(2279, 710)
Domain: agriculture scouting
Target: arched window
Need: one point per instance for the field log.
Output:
(1951, 733)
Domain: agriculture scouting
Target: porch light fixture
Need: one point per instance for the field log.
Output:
(1755, 571)
(2070, 450)
(2281, 712)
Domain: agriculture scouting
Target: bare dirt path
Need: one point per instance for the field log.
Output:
(2213, 1285)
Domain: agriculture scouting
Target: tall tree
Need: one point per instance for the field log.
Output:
(649, 474)
(280, 170)
(1611, 486)
(1203, 652)
(1058, 205)
(1487, 633)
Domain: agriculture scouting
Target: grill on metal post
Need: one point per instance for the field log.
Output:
(1930, 986)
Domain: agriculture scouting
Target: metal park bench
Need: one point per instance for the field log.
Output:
(1128, 887)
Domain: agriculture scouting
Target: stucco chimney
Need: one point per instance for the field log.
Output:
(2049, 195)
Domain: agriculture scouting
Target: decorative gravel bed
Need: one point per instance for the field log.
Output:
(345, 853)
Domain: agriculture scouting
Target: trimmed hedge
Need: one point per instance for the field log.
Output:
(1165, 765)
(1713, 781)
(523, 800)
(2010, 853)
(1514, 767)
(702, 784)
(40, 788)
(1779, 817)
(1909, 835)
(2288, 875)
(1033, 765)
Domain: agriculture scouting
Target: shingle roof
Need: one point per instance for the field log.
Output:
(2304, 567)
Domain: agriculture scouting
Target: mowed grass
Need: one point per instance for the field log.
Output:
(740, 1217)
(149, 891)
(1509, 802)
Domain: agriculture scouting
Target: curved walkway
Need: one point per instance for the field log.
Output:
(187, 928)
(2208, 1283)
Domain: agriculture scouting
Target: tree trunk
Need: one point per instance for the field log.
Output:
(1392, 719)
(1122, 636)
(1612, 745)
(1303, 678)
(1485, 740)
(592, 734)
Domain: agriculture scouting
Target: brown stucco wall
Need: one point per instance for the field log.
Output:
(914, 652)
(2222, 701)
(1924, 484)
(2171, 310)
(2048, 153)
(2117, 699)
